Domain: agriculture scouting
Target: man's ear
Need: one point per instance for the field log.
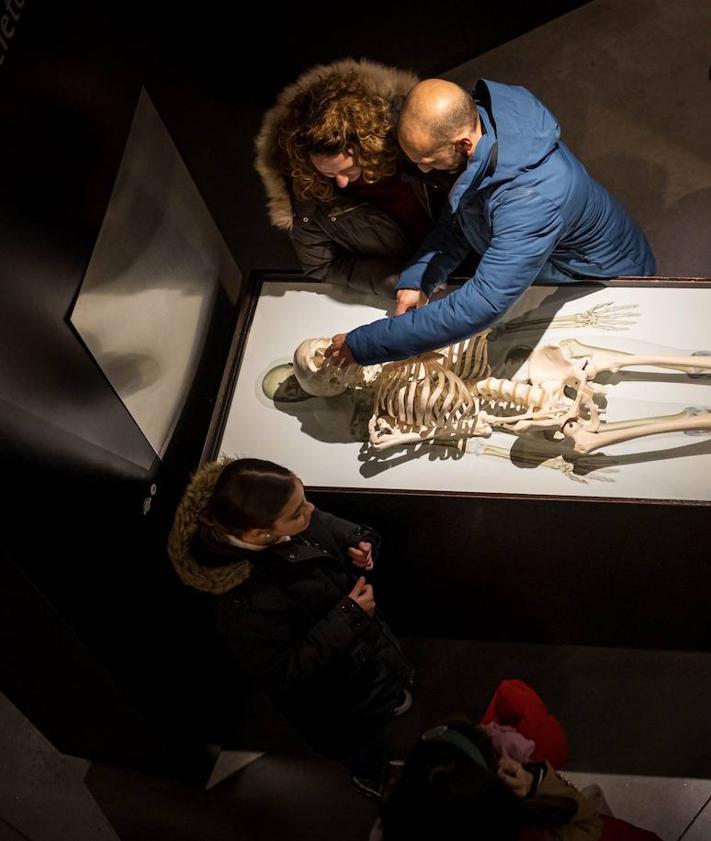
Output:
(465, 144)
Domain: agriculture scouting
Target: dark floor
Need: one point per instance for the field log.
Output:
(627, 712)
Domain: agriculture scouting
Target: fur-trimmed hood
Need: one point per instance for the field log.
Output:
(387, 82)
(184, 532)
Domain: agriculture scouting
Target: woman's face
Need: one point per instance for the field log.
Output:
(341, 167)
(295, 516)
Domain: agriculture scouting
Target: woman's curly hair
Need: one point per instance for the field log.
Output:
(337, 115)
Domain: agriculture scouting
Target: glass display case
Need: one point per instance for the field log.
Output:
(325, 439)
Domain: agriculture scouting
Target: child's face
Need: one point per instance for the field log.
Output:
(295, 516)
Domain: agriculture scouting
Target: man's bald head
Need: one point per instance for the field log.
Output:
(433, 114)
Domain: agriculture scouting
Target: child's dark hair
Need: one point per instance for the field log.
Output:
(443, 793)
(250, 494)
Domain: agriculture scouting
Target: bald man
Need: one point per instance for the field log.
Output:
(522, 201)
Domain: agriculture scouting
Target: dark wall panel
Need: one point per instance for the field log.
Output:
(620, 574)
(83, 538)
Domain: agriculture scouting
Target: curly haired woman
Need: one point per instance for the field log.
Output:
(334, 176)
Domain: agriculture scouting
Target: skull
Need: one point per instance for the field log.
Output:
(316, 374)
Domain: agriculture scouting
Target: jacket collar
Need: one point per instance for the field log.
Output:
(480, 165)
(253, 547)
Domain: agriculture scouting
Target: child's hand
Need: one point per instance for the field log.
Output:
(362, 595)
(515, 776)
(362, 555)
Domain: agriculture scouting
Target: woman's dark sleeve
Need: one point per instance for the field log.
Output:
(323, 259)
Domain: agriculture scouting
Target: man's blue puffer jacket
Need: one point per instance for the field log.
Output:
(528, 206)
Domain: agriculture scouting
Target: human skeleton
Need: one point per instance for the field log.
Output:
(449, 394)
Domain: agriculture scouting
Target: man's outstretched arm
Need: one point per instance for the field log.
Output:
(526, 230)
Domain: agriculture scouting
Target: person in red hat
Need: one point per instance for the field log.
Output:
(496, 780)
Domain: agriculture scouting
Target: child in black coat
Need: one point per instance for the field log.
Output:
(294, 607)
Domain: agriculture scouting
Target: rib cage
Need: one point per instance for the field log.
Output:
(468, 359)
(420, 393)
